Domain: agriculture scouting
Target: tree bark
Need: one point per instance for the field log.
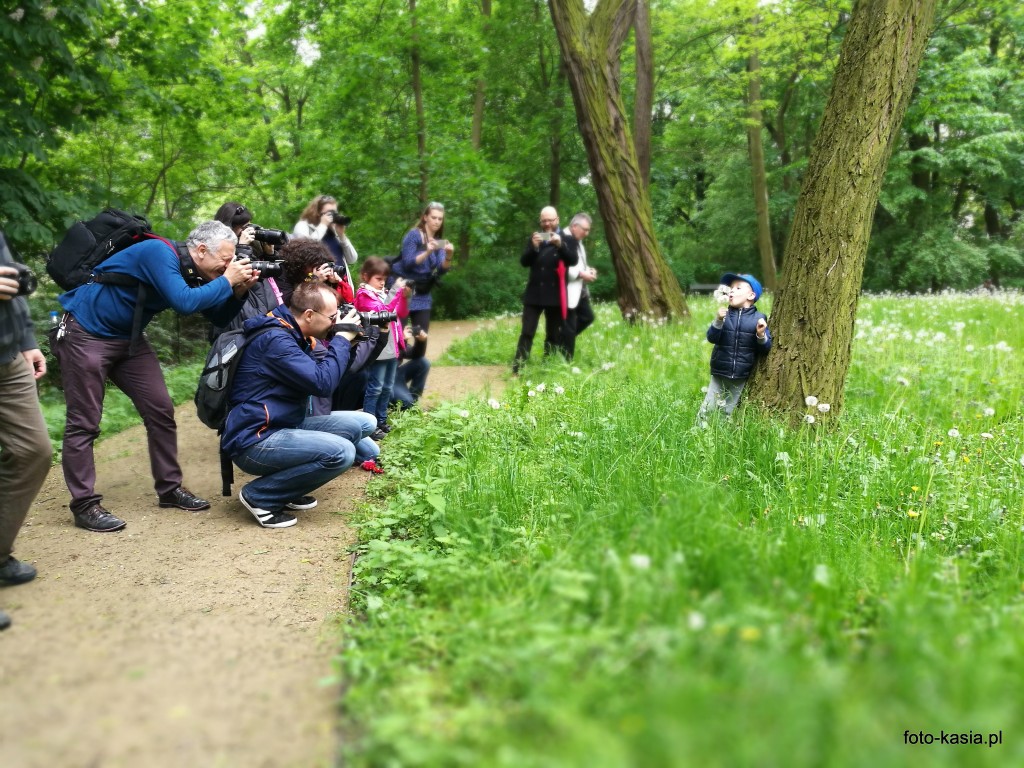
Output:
(813, 318)
(591, 45)
(643, 104)
(475, 136)
(755, 145)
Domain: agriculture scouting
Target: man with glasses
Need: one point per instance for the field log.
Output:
(580, 314)
(268, 431)
(548, 256)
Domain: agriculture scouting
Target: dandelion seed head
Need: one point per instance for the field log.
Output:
(986, 435)
(696, 621)
(969, 348)
(494, 404)
(464, 414)
(810, 401)
(559, 390)
(902, 381)
(809, 419)
(541, 387)
(954, 432)
(576, 370)
(531, 393)
(824, 407)
(989, 412)
(640, 562)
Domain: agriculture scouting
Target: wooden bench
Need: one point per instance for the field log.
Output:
(703, 287)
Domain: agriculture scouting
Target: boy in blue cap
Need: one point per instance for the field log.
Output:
(740, 334)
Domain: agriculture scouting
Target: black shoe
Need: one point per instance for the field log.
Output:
(5, 620)
(97, 519)
(385, 427)
(183, 498)
(15, 572)
(266, 518)
(303, 502)
(378, 435)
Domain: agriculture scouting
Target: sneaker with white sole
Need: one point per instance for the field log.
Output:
(266, 518)
(303, 502)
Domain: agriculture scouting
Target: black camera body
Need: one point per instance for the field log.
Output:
(268, 268)
(380, 318)
(338, 218)
(27, 282)
(269, 236)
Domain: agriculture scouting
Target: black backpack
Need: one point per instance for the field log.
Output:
(214, 390)
(87, 243)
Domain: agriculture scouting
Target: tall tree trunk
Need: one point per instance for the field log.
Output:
(591, 44)
(476, 136)
(643, 104)
(417, 91)
(755, 145)
(813, 318)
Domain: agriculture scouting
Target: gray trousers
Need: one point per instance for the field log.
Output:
(722, 393)
(25, 449)
(86, 362)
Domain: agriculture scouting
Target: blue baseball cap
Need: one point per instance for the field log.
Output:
(752, 281)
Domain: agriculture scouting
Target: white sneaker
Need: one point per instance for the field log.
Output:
(266, 518)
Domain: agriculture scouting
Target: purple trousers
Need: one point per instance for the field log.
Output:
(86, 362)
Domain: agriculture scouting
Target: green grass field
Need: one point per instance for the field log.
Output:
(577, 575)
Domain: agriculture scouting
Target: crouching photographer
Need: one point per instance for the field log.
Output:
(268, 431)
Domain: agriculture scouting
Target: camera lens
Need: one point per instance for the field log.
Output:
(27, 282)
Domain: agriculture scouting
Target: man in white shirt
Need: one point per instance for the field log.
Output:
(580, 314)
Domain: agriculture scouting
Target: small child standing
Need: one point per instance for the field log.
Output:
(740, 334)
(373, 297)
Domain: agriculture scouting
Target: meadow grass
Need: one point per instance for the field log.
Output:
(579, 575)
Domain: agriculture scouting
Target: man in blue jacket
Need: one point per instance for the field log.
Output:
(270, 431)
(94, 343)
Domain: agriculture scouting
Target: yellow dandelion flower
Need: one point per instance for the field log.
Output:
(967, 459)
(914, 488)
(750, 634)
(912, 513)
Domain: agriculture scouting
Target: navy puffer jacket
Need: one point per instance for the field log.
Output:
(736, 344)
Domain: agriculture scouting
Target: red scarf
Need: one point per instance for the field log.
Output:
(560, 269)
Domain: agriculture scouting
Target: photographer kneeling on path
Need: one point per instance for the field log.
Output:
(268, 432)
(99, 338)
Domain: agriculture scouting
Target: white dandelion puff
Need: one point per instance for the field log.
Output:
(531, 393)
(464, 414)
(559, 390)
(576, 370)
(810, 401)
(989, 411)
(954, 432)
(986, 435)
(824, 407)
(809, 419)
(902, 381)
(541, 387)
(696, 621)
(494, 404)
(640, 562)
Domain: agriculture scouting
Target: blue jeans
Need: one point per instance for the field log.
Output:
(293, 462)
(378, 388)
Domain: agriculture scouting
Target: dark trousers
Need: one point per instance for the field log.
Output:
(420, 317)
(577, 322)
(552, 332)
(24, 449)
(86, 362)
(351, 391)
(410, 381)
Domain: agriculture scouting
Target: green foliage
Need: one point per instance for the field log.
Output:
(578, 575)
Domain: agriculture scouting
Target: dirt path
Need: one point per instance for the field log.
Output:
(187, 639)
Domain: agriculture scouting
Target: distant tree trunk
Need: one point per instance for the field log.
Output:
(643, 105)
(475, 137)
(417, 91)
(591, 44)
(813, 317)
(755, 144)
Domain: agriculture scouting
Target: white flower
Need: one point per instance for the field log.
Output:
(783, 457)
(902, 381)
(1002, 346)
(986, 435)
(464, 414)
(49, 13)
(607, 366)
(576, 370)
(954, 432)
(989, 411)
(640, 562)
(809, 418)
(18, 15)
(824, 407)
(628, 346)
(811, 401)
(541, 387)
(577, 435)
(696, 621)
(531, 393)
(821, 575)
(969, 348)
(494, 404)
(559, 390)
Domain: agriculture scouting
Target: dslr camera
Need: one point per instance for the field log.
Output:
(27, 282)
(338, 218)
(269, 236)
(268, 268)
(381, 318)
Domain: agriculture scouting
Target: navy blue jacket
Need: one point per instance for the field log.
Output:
(736, 344)
(276, 378)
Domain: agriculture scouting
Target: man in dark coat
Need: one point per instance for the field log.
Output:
(548, 257)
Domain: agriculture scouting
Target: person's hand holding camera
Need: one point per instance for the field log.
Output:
(8, 283)
(588, 275)
(348, 326)
(325, 274)
(247, 235)
(241, 276)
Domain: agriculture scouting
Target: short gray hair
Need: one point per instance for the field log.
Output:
(579, 218)
(211, 234)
